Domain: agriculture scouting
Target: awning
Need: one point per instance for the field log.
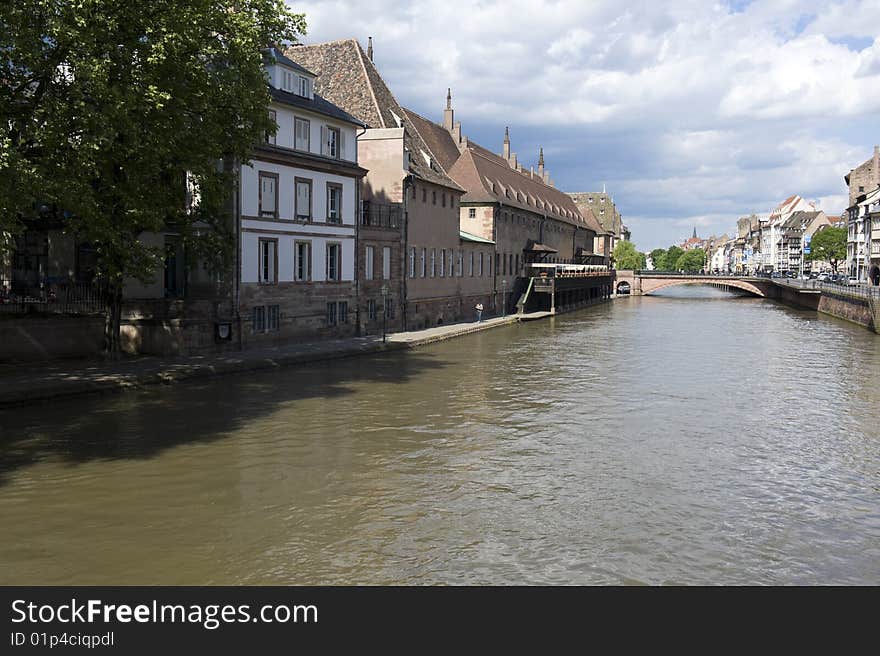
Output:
(539, 248)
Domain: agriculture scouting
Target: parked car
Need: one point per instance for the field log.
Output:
(853, 281)
(823, 277)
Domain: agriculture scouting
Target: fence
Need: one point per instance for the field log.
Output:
(862, 290)
(52, 297)
(378, 215)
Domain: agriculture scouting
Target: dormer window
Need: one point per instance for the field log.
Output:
(286, 80)
(304, 87)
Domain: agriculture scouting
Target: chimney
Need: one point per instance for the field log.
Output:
(456, 133)
(532, 171)
(512, 161)
(370, 48)
(541, 165)
(506, 154)
(448, 114)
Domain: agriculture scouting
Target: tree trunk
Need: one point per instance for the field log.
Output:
(114, 319)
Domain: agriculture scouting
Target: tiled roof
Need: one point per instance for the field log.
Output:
(591, 220)
(316, 104)
(347, 78)
(437, 137)
(277, 55)
(799, 218)
(489, 178)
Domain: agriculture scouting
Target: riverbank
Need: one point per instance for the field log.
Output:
(37, 383)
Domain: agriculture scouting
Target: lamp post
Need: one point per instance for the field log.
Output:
(503, 298)
(384, 292)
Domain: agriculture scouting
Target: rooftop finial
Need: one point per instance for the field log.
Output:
(370, 48)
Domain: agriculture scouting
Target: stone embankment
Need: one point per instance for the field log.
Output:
(35, 383)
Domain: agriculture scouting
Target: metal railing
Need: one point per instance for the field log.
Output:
(379, 215)
(65, 297)
(863, 290)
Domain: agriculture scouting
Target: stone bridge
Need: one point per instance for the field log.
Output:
(646, 282)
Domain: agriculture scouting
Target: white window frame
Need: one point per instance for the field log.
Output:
(267, 261)
(369, 262)
(297, 145)
(306, 274)
(334, 275)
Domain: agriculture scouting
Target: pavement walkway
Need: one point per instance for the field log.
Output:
(37, 382)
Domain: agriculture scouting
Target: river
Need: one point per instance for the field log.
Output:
(690, 438)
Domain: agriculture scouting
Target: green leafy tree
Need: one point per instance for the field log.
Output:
(627, 257)
(658, 257)
(691, 261)
(112, 108)
(673, 253)
(828, 245)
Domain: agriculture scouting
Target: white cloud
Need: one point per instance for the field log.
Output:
(687, 108)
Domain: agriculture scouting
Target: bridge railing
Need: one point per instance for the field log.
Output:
(863, 290)
(669, 274)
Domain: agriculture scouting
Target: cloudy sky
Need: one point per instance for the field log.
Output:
(691, 112)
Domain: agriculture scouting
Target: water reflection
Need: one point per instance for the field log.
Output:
(683, 438)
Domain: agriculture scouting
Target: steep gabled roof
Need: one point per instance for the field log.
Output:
(437, 137)
(349, 79)
(591, 220)
(489, 178)
(278, 56)
(799, 218)
(315, 104)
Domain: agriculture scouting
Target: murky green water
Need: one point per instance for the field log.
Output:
(691, 439)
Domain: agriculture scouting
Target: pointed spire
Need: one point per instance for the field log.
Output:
(541, 157)
(506, 152)
(507, 135)
(449, 115)
(695, 232)
(370, 48)
(541, 173)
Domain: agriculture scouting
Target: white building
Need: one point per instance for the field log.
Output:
(298, 207)
(774, 257)
(862, 238)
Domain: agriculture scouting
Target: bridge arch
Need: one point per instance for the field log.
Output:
(651, 285)
(623, 287)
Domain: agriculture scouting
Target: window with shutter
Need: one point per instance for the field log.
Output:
(302, 267)
(386, 262)
(270, 134)
(268, 196)
(303, 200)
(302, 130)
(334, 203)
(268, 261)
(332, 137)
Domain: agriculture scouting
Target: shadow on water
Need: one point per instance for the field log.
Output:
(142, 424)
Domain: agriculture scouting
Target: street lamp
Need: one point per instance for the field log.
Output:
(384, 292)
(503, 298)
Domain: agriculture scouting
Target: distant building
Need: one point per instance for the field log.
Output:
(863, 182)
(864, 178)
(600, 205)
